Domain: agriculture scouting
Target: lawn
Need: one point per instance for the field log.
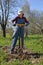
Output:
(33, 42)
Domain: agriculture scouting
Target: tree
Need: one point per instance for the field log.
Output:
(41, 22)
(36, 18)
(7, 7)
(4, 6)
(26, 10)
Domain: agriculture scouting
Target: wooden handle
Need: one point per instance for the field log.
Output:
(20, 42)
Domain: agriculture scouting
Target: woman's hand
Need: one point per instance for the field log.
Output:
(13, 24)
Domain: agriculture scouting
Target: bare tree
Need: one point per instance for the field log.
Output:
(36, 20)
(26, 10)
(4, 6)
(35, 17)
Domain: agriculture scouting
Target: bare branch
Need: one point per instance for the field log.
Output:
(2, 11)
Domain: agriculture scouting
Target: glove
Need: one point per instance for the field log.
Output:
(26, 24)
(14, 24)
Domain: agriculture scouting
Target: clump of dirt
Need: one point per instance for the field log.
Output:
(20, 54)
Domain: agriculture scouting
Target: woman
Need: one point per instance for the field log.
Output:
(20, 20)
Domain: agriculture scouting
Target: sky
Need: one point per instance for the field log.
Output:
(36, 5)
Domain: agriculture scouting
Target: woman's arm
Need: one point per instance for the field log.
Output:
(14, 20)
(27, 22)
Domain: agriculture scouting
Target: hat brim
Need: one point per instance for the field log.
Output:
(20, 13)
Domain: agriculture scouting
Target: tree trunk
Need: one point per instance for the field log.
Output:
(26, 34)
(4, 30)
(42, 31)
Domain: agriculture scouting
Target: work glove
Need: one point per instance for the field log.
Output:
(14, 24)
(26, 24)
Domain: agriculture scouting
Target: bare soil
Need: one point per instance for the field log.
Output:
(21, 54)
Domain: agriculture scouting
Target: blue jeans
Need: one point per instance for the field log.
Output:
(19, 32)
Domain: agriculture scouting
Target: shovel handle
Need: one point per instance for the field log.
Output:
(20, 42)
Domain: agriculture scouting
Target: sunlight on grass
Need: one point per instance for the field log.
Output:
(33, 42)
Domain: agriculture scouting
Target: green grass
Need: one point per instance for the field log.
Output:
(5, 41)
(33, 42)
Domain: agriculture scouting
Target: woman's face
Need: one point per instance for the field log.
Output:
(21, 15)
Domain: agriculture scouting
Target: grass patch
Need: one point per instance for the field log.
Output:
(33, 42)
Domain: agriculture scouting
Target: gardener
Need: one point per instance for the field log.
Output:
(20, 20)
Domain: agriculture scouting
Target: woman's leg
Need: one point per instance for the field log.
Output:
(19, 41)
(14, 39)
